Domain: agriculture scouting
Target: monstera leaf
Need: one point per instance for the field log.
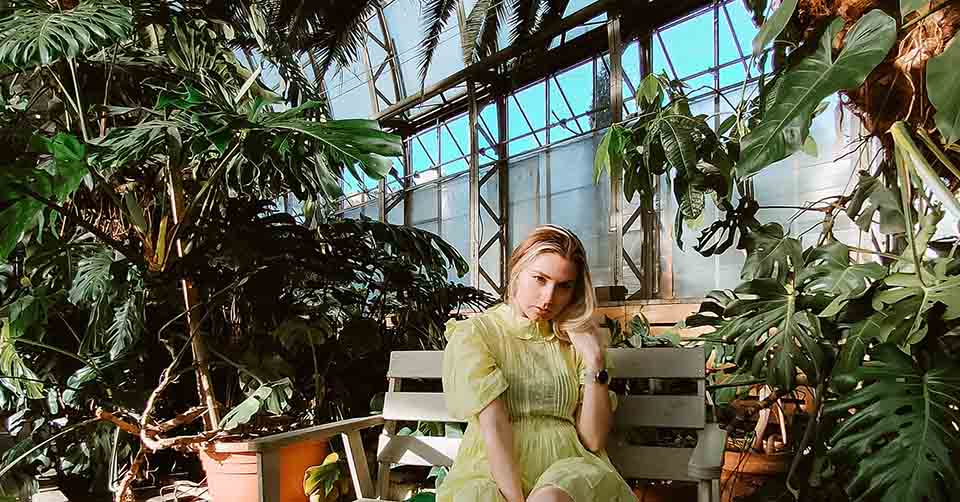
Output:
(877, 327)
(770, 254)
(828, 270)
(908, 300)
(871, 197)
(902, 431)
(773, 334)
(32, 37)
(786, 124)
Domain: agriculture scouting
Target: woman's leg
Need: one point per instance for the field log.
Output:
(549, 494)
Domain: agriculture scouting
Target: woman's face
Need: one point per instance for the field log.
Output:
(545, 287)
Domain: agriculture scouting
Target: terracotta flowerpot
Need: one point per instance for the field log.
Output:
(238, 475)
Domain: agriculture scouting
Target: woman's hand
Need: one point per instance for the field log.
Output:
(588, 345)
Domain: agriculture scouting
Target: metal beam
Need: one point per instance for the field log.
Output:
(490, 62)
(615, 227)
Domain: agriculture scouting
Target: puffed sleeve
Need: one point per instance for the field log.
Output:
(471, 377)
(582, 370)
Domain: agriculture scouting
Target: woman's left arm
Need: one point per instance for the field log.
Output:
(596, 411)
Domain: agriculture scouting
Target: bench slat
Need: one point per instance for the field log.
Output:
(633, 411)
(426, 406)
(650, 462)
(660, 411)
(418, 450)
(627, 363)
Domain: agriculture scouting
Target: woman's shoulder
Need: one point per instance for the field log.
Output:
(480, 325)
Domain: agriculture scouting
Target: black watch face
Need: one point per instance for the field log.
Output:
(603, 377)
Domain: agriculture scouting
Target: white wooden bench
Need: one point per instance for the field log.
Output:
(701, 464)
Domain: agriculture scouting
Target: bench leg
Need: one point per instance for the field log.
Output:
(705, 491)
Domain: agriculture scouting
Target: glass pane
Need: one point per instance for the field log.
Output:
(571, 93)
(454, 223)
(424, 202)
(348, 92)
(698, 86)
(690, 44)
(526, 110)
(732, 75)
(403, 19)
(743, 25)
(425, 154)
(395, 215)
(802, 179)
(454, 139)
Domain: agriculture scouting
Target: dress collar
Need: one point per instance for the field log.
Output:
(521, 327)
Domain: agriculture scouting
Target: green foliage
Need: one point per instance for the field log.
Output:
(902, 434)
(871, 197)
(773, 26)
(21, 187)
(253, 404)
(32, 37)
(786, 124)
(770, 253)
(323, 478)
(941, 84)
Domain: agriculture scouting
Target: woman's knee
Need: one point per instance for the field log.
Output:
(549, 494)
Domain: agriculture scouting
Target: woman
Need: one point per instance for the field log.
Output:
(530, 376)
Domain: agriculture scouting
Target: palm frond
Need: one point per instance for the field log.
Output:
(436, 14)
(479, 38)
(553, 13)
(34, 36)
(525, 15)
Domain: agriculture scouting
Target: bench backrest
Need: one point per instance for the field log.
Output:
(685, 411)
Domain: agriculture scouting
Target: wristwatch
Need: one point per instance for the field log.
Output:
(602, 377)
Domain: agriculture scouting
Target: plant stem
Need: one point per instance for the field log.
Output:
(49, 440)
(878, 253)
(932, 145)
(126, 251)
(76, 89)
(229, 361)
(78, 357)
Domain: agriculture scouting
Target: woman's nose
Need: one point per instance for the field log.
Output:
(547, 294)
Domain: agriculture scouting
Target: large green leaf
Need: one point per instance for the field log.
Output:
(773, 26)
(908, 300)
(126, 326)
(770, 254)
(252, 405)
(94, 273)
(870, 197)
(785, 125)
(901, 434)
(676, 136)
(942, 89)
(773, 336)
(322, 476)
(908, 6)
(876, 327)
(32, 37)
(828, 271)
(19, 377)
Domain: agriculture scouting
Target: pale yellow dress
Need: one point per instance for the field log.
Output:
(500, 354)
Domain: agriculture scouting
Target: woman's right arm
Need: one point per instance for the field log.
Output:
(498, 437)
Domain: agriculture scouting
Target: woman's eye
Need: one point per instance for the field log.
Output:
(540, 279)
(566, 285)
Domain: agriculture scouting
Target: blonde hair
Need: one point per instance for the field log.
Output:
(578, 315)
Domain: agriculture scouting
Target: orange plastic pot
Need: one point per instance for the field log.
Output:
(243, 472)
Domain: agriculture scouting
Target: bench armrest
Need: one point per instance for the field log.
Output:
(706, 461)
(323, 431)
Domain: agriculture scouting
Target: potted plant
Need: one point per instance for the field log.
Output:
(132, 234)
(869, 332)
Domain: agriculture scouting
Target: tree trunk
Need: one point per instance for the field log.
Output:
(191, 303)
